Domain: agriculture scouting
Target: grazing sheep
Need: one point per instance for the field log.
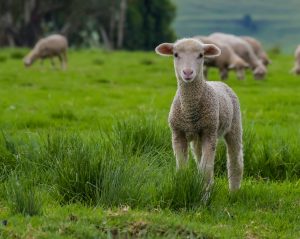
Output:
(296, 68)
(226, 61)
(49, 47)
(243, 50)
(258, 49)
(203, 111)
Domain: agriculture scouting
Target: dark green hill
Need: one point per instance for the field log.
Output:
(274, 22)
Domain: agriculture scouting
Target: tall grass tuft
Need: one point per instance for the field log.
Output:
(17, 55)
(140, 135)
(186, 189)
(93, 171)
(277, 159)
(23, 197)
(8, 157)
(71, 163)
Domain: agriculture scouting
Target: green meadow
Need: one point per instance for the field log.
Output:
(86, 153)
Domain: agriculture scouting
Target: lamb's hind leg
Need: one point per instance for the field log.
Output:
(180, 148)
(223, 73)
(235, 162)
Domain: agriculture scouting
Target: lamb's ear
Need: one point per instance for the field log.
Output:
(211, 50)
(165, 49)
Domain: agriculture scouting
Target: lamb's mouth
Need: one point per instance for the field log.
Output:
(188, 79)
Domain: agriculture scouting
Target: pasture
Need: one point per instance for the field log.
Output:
(86, 153)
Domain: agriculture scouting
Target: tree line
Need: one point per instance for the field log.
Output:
(113, 24)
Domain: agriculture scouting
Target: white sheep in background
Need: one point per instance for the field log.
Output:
(296, 68)
(49, 47)
(228, 60)
(243, 50)
(258, 49)
(203, 111)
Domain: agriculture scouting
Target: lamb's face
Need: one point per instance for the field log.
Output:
(260, 72)
(188, 57)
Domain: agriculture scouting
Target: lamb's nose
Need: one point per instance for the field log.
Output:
(188, 72)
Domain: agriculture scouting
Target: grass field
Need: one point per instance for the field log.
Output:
(86, 153)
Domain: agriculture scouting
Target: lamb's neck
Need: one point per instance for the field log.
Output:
(32, 55)
(233, 58)
(253, 60)
(191, 96)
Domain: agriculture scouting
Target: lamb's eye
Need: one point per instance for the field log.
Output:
(176, 54)
(200, 56)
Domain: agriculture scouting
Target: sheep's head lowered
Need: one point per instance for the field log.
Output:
(260, 72)
(188, 56)
(28, 60)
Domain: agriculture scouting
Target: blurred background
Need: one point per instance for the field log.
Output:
(129, 24)
(142, 24)
(275, 23)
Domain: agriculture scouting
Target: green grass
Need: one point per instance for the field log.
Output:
(22, 197)
(86, 153)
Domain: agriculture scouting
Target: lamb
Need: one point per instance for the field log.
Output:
(202, 112)
(258, 49)
(49, 47)
(296, 68)
(243, 50)
(227, 60)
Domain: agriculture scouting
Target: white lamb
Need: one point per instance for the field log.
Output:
(244, 50)
(49, 47)
(203, 111)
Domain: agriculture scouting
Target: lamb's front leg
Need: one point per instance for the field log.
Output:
(206, 165)
(197, 149)
(224, 73)
(180, 148)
